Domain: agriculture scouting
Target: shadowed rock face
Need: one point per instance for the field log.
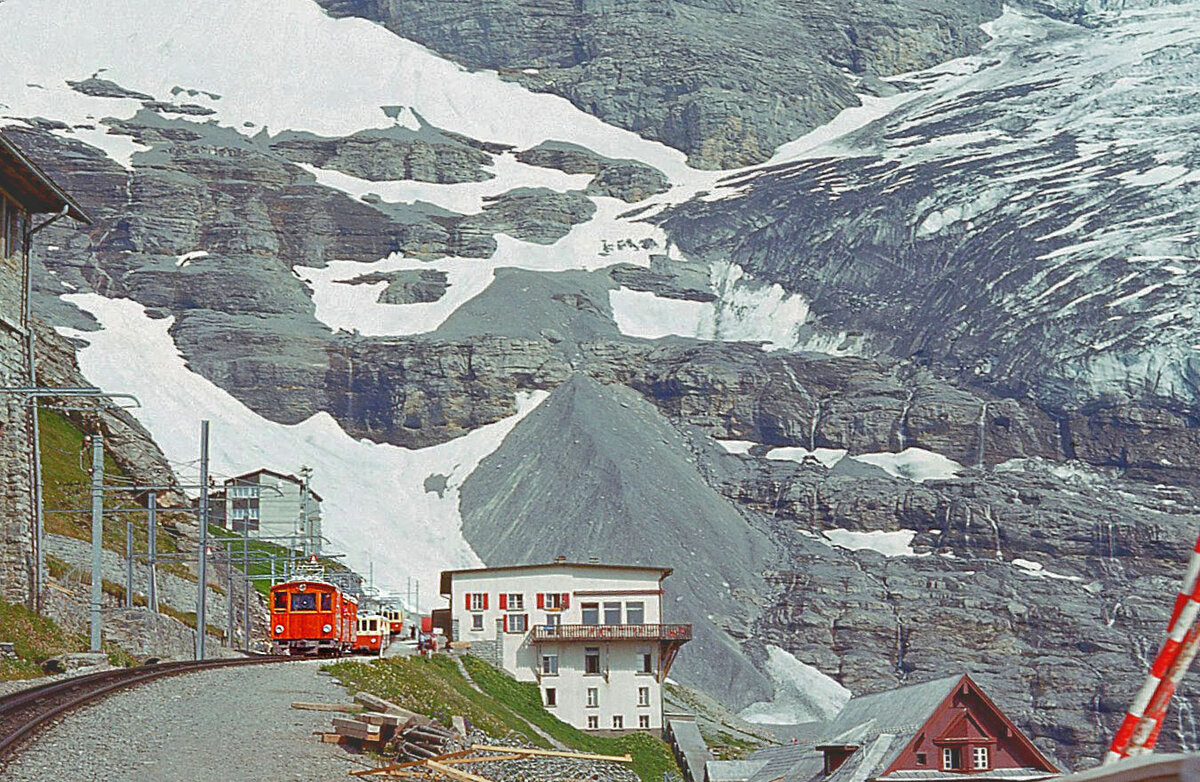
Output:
(597, 471)
(726, 82)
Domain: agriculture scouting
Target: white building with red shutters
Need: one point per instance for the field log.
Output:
(590, 635)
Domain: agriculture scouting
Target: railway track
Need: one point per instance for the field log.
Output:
(22, 713)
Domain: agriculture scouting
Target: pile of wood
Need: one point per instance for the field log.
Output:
(485, 759)
(385, 727)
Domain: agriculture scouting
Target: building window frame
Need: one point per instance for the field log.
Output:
(477, 622)
(550, 664)
(591, 661)
(980, 758)
(618, 722)
(635, 612)
(643, 722)
(593, 722)
(551, 697)
(643, 696)
(592, 698)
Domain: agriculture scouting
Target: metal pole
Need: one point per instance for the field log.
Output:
(152, 568)
(97, 538)
(39, 520)
(129, 564)
(246, 590)
(229, 594)
(306, 543)
(202, 575)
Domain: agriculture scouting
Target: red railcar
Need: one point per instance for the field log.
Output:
(395, 618)
(312, 618)
(371, 635)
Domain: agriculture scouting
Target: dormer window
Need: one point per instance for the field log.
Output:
(836, 755)
(951, 759)
(979, 758)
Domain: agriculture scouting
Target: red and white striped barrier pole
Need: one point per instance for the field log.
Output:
(1145, 735)
(1150, 704)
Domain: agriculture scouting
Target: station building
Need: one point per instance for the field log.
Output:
(591, 635)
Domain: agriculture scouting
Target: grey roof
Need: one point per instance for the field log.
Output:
(1008, 774)
(732, 770)
(881, 725)
(685, 735)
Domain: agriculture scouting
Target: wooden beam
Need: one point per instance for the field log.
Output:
(554, 753)
(346, 708)
(483, 759)
(454, 773)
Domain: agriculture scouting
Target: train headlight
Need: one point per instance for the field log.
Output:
(327, 629)
(278, 629)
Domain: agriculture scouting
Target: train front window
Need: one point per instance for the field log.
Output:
(326, 602)
(281, 601)
(304, 602)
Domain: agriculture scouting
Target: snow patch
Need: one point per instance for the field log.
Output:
(186, 258)
(802, 693)
(376, 508)
(826, 456)
(915, 464)
(889, 544)
(737, 446)
(1039, 570)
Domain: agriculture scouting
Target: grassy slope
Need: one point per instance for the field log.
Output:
(35, 638)
(436, 687)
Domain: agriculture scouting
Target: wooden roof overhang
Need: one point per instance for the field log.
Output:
(25, 182)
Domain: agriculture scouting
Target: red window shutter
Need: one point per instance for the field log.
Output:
(485, 596)
(503, 601)
(541, 600)
(566, 601)
(468, 597)
(506, 623)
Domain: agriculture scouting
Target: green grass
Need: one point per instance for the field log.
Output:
(436, 687)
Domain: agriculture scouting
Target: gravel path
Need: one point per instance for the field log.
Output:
(216, 726)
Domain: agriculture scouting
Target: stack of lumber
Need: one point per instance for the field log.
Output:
(503, 763)
(384, 723)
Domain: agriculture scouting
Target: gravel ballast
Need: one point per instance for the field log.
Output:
(229, 724)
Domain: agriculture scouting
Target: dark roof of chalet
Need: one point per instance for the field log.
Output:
(31, 187)
(881, 725)
(448, 575)
(238, 479)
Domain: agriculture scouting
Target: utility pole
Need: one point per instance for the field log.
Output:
(97, 538)
(307, 544)
(202, 575)
(39, 521)
(229, 593)
(152, 544)
(129, 564)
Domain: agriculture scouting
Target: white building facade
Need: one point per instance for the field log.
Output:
(274, 506)
(590, 635)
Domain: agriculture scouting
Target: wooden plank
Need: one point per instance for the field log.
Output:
(379, 718)
(347, 708)
(483, 759)
(454, 773)
(375, 703)
(459, 724)
(554, 753)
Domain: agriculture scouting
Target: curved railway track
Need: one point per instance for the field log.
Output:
(23, 712)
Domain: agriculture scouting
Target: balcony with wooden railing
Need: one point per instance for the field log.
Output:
(587, 633)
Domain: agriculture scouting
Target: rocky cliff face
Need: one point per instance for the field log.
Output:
(658, 67)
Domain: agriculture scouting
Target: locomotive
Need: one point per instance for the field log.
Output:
(310, 617)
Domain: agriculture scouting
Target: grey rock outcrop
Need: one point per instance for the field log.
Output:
(407, 286)
(629, 180)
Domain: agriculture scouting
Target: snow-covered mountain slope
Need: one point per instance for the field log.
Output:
(1027, 224)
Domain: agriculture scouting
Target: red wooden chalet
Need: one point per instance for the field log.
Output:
(939, 731)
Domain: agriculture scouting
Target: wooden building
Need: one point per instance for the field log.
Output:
(942, 730)
(25, 191)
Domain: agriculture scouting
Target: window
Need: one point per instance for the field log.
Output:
(644, 721)
(476, 621)
(553, 620)
(979, 758)
(551, 696)
(593, 722)
(922, 758)
(591, 613)
(514, 602)
(635, 613)
(591, 660)
(281, 601)
(477, 601)
(647, 660)
(643, 696)
(593, 698)
(516, 623)
(326, 602)
(612, 613)
(552, 601)
(549, 664)
(618, 722)
(950, 759)
(304, 602)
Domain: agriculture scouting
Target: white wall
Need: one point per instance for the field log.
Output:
(618, 684)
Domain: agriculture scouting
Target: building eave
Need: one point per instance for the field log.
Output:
(447, 578)
(35, 191)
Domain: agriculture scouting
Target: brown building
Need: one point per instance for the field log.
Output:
(940, 731)
(25, 191)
